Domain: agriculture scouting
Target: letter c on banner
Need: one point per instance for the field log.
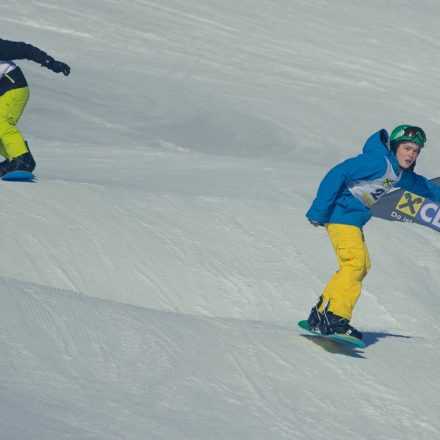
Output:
(424, 212)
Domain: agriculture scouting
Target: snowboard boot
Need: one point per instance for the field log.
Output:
(4, 167)
(332, 323)
(24, 162)
(315, 318)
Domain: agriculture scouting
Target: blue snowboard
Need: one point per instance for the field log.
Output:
(334, 337)
(19, 176)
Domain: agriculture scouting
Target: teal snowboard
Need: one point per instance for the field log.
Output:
(337, 337)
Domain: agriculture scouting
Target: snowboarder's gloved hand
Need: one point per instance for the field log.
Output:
(315, 223)
(55, 66)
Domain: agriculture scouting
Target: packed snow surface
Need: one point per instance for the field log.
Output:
(152, 278)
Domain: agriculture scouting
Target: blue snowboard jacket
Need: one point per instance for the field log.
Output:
(334, 203)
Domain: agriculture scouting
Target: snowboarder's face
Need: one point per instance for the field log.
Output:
(407, 153)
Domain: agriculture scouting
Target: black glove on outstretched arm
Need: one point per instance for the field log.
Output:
(17, 50)
(55, 66)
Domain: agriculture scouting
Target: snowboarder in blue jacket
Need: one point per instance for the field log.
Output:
(342, 205)
(14, 95)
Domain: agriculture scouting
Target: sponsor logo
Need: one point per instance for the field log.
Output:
(418, 209)
(430, 213)
(410, 204)
(388, 183)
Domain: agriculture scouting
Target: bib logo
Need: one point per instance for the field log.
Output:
(388, 183)
(421, 210)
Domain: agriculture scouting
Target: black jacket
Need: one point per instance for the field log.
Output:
(17, 50)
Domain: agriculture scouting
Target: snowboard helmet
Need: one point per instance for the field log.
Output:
(407, 133)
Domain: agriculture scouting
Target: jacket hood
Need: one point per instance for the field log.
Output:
(377, 144)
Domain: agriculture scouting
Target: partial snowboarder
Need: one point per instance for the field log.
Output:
(342, 205)
(14, 95)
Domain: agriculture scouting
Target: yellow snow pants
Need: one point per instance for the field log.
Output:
(344, 288)
(12, 104)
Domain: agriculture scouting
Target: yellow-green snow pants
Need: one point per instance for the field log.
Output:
(344, 288)
(12, 104)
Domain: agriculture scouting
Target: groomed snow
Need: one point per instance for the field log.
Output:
(152, 278)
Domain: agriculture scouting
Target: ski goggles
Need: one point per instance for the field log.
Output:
(414, 133)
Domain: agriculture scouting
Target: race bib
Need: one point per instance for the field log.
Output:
(369, 192)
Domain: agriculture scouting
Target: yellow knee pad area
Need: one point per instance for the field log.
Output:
(344, 288)
(12, 104)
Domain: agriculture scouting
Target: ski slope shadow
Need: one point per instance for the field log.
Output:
(335, 347)
(371, 338)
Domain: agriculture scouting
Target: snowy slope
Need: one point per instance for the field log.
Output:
(151, 280)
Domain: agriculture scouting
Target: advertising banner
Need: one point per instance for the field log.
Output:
(404, 206)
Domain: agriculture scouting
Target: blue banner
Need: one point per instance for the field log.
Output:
(404, 206)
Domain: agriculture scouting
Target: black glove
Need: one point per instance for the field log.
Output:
(55, 66)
